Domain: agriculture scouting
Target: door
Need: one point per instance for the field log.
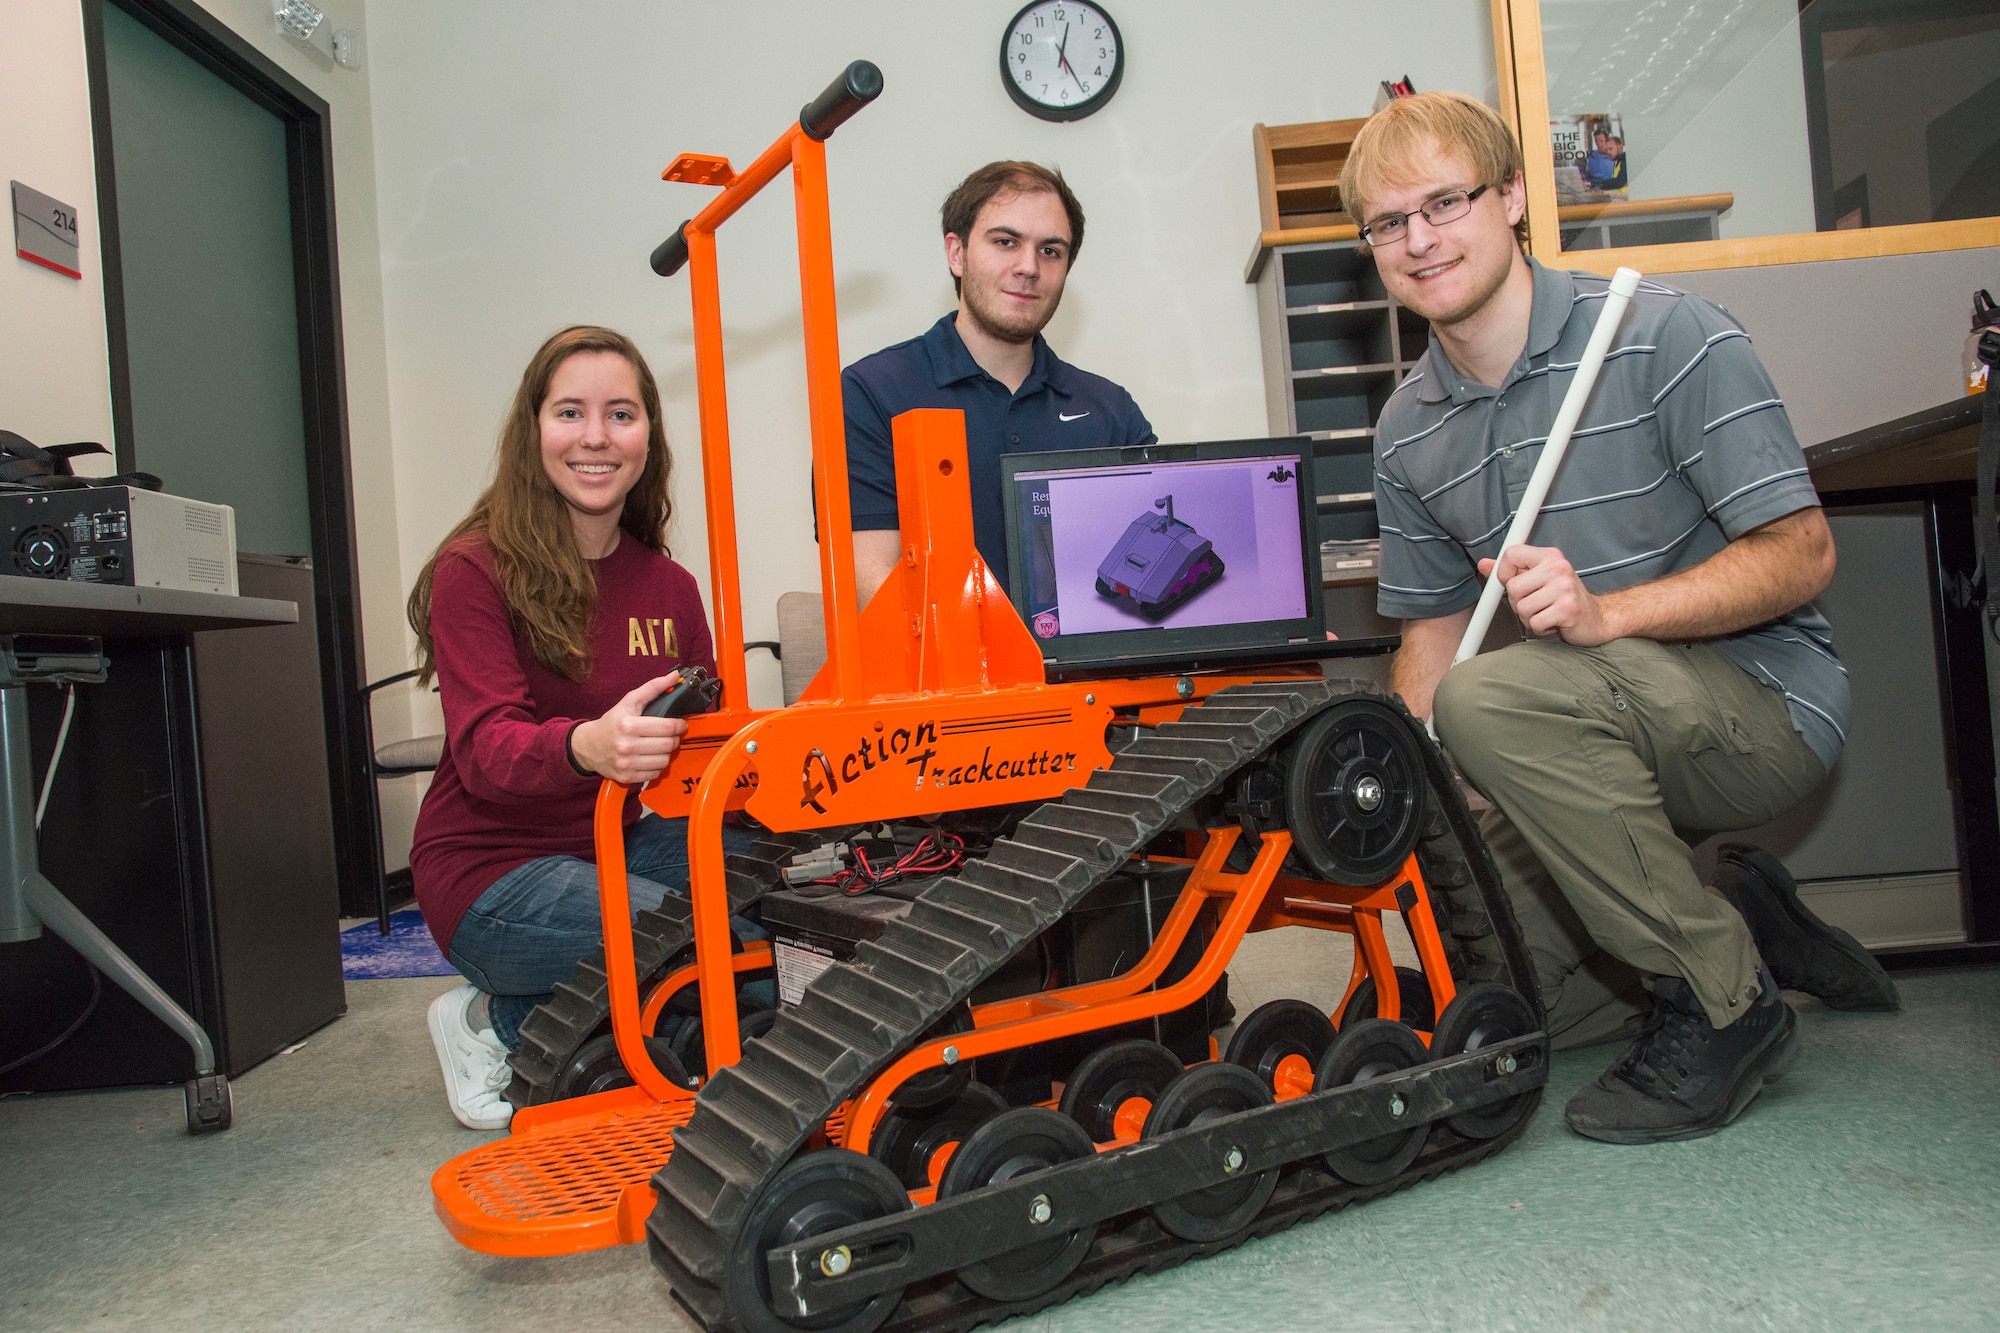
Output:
(211, 313)
(222, 307)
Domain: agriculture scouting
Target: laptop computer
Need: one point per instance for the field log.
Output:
(1169, 557)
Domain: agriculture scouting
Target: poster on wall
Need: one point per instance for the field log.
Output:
(1589, 157)
(45, 231)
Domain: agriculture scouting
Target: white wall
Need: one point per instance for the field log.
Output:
(518, 154)
(54, 371)
(55, 381)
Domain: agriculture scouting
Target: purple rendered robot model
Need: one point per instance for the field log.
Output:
(1158, 564)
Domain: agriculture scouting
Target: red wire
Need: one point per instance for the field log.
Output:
(936, 854)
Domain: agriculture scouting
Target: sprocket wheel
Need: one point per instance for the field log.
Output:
(1354, 793)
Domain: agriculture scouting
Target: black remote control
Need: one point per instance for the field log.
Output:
(693, 693)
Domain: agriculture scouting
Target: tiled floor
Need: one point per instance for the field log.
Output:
(1861, 1192)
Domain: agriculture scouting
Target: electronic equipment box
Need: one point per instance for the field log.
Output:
(120, 535)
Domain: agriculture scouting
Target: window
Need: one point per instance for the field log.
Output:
(1687, 134)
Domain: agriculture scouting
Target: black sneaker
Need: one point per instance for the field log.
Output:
(1683, 1077)
(1803, 952)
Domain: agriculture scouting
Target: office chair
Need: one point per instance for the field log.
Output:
(397, 759)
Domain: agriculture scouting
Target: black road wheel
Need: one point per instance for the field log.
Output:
(688, 1046)
(1113, 1075)
(1354, 794)
(909, 1141)
(935, 1087)
(815, 1193)
(1481, 1015)
(1010, 1145)
(1412, 991)
(1202, 1094)
(1281, 1043)
(597, 1067)
(1370, 1049)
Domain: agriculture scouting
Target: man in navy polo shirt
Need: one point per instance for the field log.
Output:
(1011, 232)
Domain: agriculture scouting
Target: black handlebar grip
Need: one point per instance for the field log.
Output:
(670, 254)
(858, 85)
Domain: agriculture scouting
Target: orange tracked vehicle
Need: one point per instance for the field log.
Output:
(858, 1160)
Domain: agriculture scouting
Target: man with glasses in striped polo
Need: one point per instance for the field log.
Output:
(1678, 681)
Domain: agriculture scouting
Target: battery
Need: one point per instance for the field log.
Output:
(811, 932)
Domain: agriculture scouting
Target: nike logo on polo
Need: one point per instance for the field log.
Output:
(1065, 416)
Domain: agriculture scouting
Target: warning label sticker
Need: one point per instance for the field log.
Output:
(798, 962)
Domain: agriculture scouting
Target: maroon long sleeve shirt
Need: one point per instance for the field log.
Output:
(505, 792)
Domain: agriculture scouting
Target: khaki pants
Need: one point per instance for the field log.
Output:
(1606, 766)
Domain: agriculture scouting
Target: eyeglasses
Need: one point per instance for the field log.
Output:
(1447, 207)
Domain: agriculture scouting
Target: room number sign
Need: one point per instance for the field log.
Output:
(45, 231)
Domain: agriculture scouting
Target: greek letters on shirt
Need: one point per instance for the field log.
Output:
(651, 637)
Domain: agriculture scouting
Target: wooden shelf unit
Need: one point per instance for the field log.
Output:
(1335, 347)
(1298, 172)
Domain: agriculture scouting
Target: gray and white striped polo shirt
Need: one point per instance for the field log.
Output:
(1684, 447)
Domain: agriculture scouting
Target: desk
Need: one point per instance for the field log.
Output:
(1930, 457)
(28, 899)
(56, 606)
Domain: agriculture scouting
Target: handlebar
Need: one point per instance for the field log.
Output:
(670, 254)
(858, 85)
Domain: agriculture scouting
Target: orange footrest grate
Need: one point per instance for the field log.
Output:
(559, 1186)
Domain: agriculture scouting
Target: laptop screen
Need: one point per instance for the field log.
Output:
(1164, 551)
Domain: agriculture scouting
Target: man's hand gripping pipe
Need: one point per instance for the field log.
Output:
(1623, 283)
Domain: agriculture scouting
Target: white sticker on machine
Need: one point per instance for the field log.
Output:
(798, 963)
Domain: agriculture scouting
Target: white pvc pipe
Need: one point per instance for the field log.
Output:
(1623, 283)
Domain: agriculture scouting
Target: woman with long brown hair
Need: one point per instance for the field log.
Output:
(550, 616)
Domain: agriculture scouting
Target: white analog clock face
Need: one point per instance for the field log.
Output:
(1061, 60)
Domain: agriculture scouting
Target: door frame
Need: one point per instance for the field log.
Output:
(322, 379)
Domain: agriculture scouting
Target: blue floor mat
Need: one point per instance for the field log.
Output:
(406, 951)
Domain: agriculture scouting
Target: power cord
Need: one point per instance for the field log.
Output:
(55, 758)
(96, 994)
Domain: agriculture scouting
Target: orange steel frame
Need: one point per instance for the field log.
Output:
(922, 689)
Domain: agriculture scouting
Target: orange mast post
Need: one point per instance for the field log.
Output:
(802, 147)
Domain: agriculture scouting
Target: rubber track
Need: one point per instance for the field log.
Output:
(580, 1007)
(856, 1018)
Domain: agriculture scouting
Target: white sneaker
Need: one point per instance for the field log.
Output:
(474, 1063)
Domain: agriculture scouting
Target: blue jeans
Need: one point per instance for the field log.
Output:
(534, 924)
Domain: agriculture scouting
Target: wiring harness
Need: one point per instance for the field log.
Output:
(871, 863)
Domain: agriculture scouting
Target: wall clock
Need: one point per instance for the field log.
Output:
(1061, 60)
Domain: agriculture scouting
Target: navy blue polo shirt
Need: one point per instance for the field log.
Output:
(1056, 407)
